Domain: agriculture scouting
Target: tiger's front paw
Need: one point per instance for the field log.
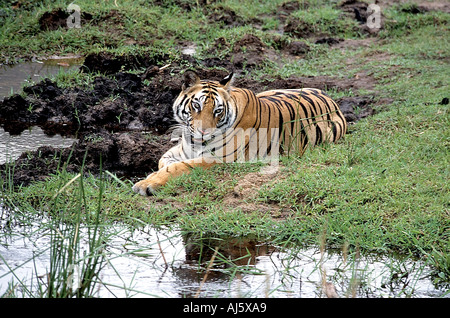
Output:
(147, 187)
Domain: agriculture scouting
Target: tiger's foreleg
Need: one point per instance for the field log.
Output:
(159, 178)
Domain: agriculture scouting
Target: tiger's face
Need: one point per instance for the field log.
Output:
(203, 107)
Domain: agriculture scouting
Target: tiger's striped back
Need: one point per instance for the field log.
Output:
(222, 123)
(302, 116)
(307, 116)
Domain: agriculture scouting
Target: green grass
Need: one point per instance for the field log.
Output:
(327, 20)
(63, 190)
(384, 188)
(401, 23)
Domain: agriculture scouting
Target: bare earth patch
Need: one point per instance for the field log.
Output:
(245, 194)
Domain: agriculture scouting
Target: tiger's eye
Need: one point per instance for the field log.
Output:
(196, 106)
(217, 112)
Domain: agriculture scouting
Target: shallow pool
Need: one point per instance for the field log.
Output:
(14, 77)
(165, 263)
(12, 146)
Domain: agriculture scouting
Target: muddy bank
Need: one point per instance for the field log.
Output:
(115, 103)
(126, 154)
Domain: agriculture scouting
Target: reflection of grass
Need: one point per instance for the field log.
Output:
(83, 209)
(73, 272)
(73, 266)
(331, 272)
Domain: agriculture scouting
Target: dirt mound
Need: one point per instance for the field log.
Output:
(57, 18)
(362, 12)
(107, 63)
(287, 8)
(247, 190)
(420, 7)
(118, 103)
(355, 9)
(355, 108)
(298, 28)
(224, 15)
(109, 119)
(248, 52)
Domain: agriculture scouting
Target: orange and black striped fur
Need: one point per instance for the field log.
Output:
(222, 123)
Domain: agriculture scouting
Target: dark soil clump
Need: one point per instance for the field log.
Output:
(355, 9)
(361, 12)
(57, 18)
(355, 108)
(285, 9)
(120, 102)
(108, 64)
(249, 52)
(297, 48)
(328, 40)
(225, 16)
(297, 28)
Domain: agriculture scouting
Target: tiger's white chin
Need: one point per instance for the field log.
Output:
(196, 138)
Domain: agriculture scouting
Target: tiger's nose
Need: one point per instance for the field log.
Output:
(204, 132)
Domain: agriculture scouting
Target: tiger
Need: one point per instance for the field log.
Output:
(220, 123)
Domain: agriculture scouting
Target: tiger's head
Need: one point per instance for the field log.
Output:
(204, 108)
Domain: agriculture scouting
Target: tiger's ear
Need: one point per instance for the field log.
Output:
(227, 81)
(190, 79)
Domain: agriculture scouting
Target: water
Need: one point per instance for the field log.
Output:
(249, 269)
(14, 77)
(164, 263)
(12, 146)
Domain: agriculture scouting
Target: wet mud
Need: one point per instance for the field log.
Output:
(124, 118)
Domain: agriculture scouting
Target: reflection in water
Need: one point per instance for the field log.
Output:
(11, 147)
(165, 263)
(14, 77)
